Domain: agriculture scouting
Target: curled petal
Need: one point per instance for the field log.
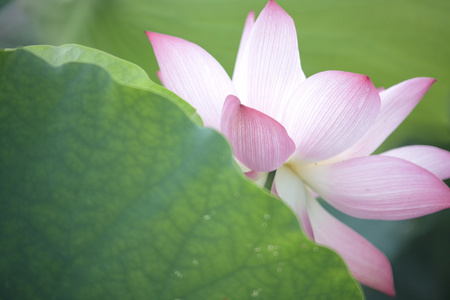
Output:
(367, 264)
(258, 141)
(379, 187)
(329, 112)
(193, 74)
(434, 159)
(269, 64)
(291, 189)
(397, 102)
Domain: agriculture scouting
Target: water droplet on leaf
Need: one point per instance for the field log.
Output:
(178, 274)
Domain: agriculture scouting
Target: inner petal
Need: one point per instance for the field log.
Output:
(329, 112)
(269, 68)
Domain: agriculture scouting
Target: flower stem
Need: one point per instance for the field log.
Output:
(269, 180)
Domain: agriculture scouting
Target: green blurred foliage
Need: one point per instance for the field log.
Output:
(3, 3)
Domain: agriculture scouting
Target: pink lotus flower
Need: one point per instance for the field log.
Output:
(318, 133)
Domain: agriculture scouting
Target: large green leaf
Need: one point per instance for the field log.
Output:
(120, 70)
(390, 41)
(110, 192)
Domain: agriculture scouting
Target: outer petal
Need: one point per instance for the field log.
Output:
(434, 159)
(397, 102)
(291, 190)
(269, 67)
(193, 74)
(368, 264)
(258, 141)
(249, 22)
(378, 187)
(329, 112)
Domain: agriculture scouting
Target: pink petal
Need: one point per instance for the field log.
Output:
(258, 141)
(253, 175)
(329, 112)
(397, 102)
(434, 159)
(249, 22)
(291, 189)
(378, 187)
(193, 74)
(367, 264)
(269, 67)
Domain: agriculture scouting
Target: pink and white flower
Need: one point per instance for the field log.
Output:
(318, 133)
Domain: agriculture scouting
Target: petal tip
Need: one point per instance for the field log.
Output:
(150, 35)
(361, 78)
(391, 292)
(386, 286)
(232, 100)
(365, 79)
(273, 5)
(154, 37)
(423, 83)
(429, 81)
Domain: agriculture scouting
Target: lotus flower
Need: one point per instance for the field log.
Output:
(318, 133)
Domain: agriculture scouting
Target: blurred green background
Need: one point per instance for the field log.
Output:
(388, 40)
